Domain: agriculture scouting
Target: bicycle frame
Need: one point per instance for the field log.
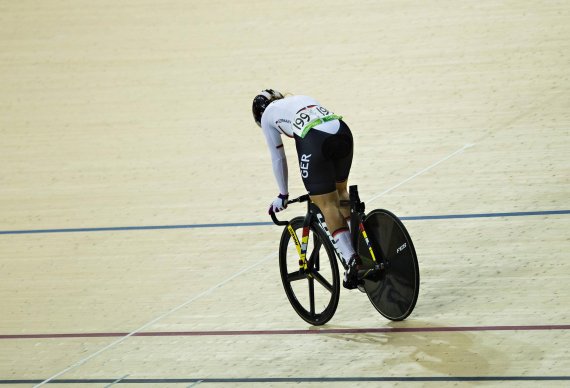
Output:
(357, 214)
(387, 273)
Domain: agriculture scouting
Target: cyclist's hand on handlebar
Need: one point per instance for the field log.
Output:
(279, 203)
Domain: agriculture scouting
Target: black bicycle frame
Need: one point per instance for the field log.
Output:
(357, 214)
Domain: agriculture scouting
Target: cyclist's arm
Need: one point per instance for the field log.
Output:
(278, 158)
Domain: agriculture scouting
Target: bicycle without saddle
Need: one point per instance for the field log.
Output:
(389, 273)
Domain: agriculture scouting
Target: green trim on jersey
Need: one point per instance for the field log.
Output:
(316, 122)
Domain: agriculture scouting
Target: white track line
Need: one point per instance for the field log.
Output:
(420, 173)
(209, 290)
(116, 381)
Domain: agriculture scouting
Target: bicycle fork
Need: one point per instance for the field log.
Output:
(301, 247)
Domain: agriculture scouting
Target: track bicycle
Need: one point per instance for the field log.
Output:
(389, 273)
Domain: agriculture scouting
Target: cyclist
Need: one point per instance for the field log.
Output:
(324, 148)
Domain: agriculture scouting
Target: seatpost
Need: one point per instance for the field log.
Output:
(356, 210)
(356, 205)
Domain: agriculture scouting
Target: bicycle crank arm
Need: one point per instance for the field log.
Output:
(371, 273)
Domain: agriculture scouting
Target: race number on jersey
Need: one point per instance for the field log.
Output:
(310, 116)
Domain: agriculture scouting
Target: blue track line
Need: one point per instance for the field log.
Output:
(488, 215)
(242, 224)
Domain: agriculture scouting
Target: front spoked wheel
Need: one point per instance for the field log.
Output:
(394, 291)
(313, 294)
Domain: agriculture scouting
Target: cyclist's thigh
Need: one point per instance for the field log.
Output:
(343, 153)
(317, 171)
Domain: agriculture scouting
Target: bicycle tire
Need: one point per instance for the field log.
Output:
(325, 272)
(394, 292)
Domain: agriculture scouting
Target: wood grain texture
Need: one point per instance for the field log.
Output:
(138, 113)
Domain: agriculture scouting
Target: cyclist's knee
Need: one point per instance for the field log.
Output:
(328, 203)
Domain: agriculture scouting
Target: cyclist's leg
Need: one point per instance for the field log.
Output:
(319, 172)
(330, 206)
(339, 148)
(319, 155)
(343, 196)
(342, 163)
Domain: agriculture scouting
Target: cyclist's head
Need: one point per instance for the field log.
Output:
(261, 101)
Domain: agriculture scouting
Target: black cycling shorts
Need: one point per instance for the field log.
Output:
(325, 159)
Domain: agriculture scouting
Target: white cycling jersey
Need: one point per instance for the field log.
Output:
(290, 116)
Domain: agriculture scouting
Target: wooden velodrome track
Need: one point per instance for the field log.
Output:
(135, 246)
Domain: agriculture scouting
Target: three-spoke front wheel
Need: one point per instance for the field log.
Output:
(313, 294)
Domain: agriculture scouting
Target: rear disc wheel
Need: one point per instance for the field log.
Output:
(394, 291)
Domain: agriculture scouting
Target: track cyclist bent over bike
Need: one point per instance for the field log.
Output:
(324, 148)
